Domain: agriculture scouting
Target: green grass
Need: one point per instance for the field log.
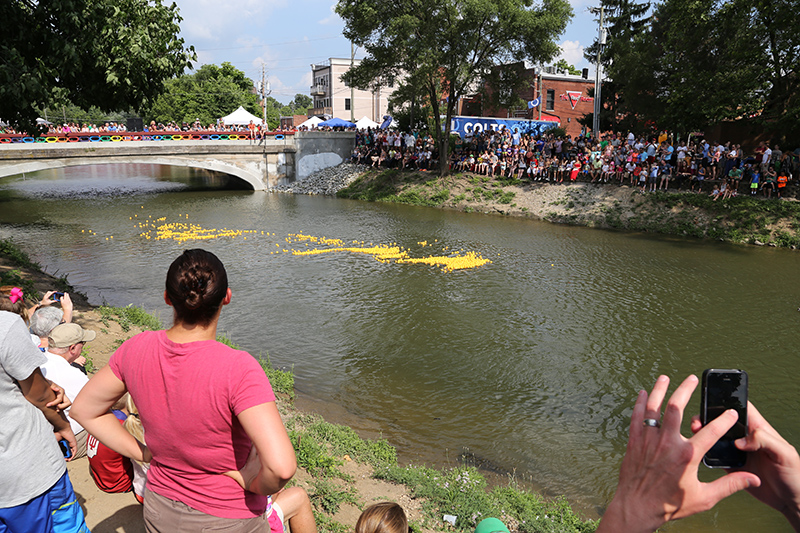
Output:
(463, 492)
(11, 251)
(282, 381)
(129, 316)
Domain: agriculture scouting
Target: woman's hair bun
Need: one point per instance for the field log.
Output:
(196, 285)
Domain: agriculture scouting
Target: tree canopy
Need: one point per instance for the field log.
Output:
(444, 49)
(113, 54)
(693, 63)
(208, 94)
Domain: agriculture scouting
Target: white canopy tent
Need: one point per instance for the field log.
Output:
(311, 123)
(240, 117)
(365, 122)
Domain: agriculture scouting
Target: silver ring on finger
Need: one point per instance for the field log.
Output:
(651, 422)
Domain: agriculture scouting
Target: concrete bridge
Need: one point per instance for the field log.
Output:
(276, 161)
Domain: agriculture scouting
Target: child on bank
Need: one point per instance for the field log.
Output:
(383, 517)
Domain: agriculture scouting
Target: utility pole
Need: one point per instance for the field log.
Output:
(352, 89)
(598, 80)
(263, 95)
(541, 93)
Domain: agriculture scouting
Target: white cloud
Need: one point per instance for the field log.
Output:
(572, 51)
(333, 18)
(212, 20)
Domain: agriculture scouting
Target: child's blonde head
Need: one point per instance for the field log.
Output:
(133, 424)
(383, 517)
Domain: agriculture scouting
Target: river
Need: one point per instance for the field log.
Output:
(528, 364)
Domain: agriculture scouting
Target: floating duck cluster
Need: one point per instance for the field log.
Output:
(387, 253)
(159, 229)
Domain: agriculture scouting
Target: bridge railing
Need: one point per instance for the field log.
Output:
(127, 136)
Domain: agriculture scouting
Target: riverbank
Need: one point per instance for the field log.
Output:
(739, 220)
(341, 472)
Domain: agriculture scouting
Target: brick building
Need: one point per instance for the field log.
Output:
(563, 96)
(292, 121)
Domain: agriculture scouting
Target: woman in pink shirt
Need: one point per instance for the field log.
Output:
(215, 441)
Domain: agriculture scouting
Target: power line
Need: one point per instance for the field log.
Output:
(268, 44)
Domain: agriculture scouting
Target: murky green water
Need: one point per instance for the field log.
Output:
(529, 364)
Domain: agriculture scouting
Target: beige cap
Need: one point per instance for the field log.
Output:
(65, 335)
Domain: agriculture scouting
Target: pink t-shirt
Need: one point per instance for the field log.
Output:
(188, 396)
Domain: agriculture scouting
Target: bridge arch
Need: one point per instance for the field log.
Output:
(246, 175)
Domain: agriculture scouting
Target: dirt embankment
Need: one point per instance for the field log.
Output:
(674, 211)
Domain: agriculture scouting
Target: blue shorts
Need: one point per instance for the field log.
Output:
(55, 511)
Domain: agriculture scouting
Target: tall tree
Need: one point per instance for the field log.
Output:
(624, 19)
(562, 65)
(114, 54)
(697, 62)
(208, 94)
(300, 104)
(447, 46)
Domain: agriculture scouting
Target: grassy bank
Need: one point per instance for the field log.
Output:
(740, 220)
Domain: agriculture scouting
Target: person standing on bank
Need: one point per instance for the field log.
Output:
(215, 440)
(35, 493)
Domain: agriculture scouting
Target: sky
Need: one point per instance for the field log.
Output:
(286, 37)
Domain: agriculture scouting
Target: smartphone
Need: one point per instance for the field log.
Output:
(64, 445)
(57, 296)
(725, 389)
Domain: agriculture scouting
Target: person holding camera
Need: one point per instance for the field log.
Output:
(658, 477)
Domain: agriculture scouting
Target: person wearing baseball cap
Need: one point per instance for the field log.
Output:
(65, 344)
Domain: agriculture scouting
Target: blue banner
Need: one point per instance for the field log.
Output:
(463, 125)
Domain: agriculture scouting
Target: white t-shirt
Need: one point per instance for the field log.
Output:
(69, 378)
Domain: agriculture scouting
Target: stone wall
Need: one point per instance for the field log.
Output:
(317, 150)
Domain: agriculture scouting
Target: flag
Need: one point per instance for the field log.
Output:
(533, 103)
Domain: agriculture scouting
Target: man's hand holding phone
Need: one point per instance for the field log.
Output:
(774, 461)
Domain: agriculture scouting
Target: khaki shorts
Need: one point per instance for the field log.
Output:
(162, 515)
(81, 439)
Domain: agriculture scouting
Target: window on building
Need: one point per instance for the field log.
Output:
(347, 104)
(551, 100)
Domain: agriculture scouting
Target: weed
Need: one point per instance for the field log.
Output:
(329, 525)
(313, 456)
(326, 495)
(506, 197)
(462, 492)
(10, 250)
(89, 365)
(128, 316)
(282, 381)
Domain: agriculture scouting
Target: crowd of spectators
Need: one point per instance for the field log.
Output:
(653, 163)
(393, 149)
(113, 127)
